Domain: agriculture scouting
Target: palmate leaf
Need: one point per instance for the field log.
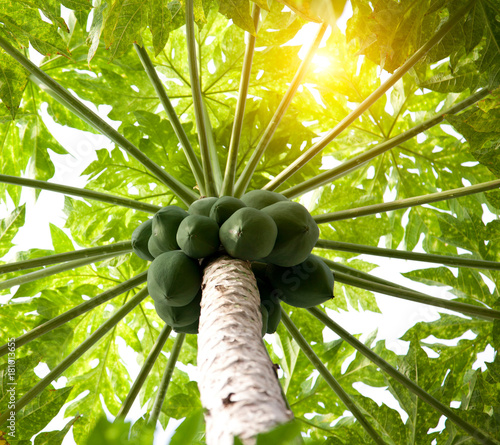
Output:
(433, 162)
(55, 437)
(13, 80)
(9, 227)
(36, 415)
(25, 26)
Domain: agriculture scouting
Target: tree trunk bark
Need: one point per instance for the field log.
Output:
(238, 384)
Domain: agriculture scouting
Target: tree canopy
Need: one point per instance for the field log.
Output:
(405, 104)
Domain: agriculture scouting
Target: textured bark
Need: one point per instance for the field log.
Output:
(238, 384)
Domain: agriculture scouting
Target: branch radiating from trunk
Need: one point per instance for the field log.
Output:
(238, 385)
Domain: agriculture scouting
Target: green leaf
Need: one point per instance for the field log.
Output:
(60, 240)
(289, 433)
(54, 437)
(38, 413)
(239, 12)
(117, 433)
(190, 430)
(9, 227)
(124, 24)
(13, 80)
(26, 25)
(160, 21)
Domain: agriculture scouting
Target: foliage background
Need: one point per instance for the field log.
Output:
(90, 52)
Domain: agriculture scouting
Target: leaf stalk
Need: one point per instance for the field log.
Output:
(412, 256)
(54, 270)
(191, 157)
(368, 102)
(245, 178)
(165, 381)
(77, 353)
(232, 158)
(407, 202)
(332, 382)
(76, 311)
(198, 102)
(358, 161)
(144, 372)
(399, 377)
(80, 192)
(64, 97)
(123, 247)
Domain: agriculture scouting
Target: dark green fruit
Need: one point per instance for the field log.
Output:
(198, 236)
(140, 238)
(189, 329)
(265, 315)
(174, 278)
(270, 299)
(224, 207)
(154, 248)
(274, 318)
(202, 206)
(165, 224)
(258, 199)
(305, 285)
(249, 234)
(259, 269)
(297, 233)
(179, 316)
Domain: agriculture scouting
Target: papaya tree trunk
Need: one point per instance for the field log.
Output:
(238, 384)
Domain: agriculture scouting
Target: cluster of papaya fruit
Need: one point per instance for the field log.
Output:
(275, 234)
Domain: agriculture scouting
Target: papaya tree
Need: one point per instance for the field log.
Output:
(229, 161)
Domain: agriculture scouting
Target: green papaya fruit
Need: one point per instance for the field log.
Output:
(297, 233)
(270, 299)
(154, 248)
(165, 224)
(198, 236)
(140, 238)
(258, 199)
(259, 269)
(202, 206)
(265, 315)
(274, 318)
(174, 278)
(305, 285)
(179, 316)
(224, 207)
(249, 234)
(189, 329)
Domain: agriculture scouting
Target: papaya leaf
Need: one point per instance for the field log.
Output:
(9, 227)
